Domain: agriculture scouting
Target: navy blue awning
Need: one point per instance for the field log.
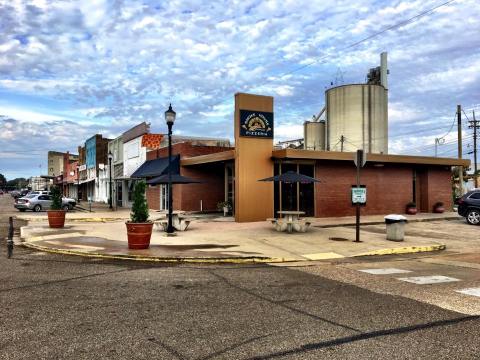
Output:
(157, 167)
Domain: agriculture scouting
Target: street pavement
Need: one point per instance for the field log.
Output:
(65, 307)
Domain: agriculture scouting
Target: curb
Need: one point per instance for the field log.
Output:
(86, 220)
(403, 250)
(447, 218)
(160, 259)
(227, 260)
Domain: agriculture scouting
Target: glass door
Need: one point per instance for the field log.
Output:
(164, 197)
(294, 196)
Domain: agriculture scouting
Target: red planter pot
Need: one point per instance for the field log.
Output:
(56, 218)
(438, 209)
(411, 210)
(139, 235)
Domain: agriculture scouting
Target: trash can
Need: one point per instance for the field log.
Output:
(395, 227)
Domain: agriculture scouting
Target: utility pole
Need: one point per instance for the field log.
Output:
(459, 124)
(475, 124)
(342, 140)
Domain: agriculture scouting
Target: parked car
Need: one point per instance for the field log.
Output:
(39, 202)
(38, 192)
(469, 207)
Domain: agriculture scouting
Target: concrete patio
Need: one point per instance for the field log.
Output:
(217, 239)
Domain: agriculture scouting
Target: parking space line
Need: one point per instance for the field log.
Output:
(425, 280)
(385, 271)
(470, 291)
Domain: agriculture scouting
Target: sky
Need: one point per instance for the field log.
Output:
(70, 69)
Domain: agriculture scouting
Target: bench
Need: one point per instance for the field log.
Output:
(283, 224)
(179, 223)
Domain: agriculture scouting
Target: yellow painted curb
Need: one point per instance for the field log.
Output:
(232, 260)
(404, 250)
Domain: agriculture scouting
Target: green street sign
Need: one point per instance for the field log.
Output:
(359, 195)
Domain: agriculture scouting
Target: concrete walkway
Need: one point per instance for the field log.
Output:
(222, 240)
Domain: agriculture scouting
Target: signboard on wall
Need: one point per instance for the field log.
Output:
(257, 124)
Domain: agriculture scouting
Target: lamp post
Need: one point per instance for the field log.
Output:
(170, 119)
(110, 157)
(78, 184)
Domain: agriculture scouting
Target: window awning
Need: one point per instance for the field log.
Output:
(157, 167)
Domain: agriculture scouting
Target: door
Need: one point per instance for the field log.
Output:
(164, 197)
(45, 201)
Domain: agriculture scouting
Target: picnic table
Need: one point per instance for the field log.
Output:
(290, 221)
(179, 221)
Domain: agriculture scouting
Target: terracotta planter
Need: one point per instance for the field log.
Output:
(56, 218)
(139, 235)
(439, 209)
(411, 210)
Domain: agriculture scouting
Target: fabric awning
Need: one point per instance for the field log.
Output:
(156, 167)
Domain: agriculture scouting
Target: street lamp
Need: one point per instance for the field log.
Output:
(110, 157)
(170, 119)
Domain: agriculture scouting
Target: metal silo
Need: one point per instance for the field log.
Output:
(357, 114)
(314, 135)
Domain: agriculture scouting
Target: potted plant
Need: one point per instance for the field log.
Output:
(225, 206)
(411, 208)
(56, 216)
(139, 228)
(438, 207)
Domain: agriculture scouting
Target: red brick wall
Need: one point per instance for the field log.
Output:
(186, 150)
(439, 187)
(389, 189)
(153, 197)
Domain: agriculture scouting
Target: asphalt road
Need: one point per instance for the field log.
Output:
(60, 307)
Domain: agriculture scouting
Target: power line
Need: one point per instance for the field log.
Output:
(324, 57)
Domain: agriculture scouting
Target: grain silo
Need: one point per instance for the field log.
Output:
(314, 135)
(357, 114)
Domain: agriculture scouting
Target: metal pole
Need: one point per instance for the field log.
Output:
(170, 228)
(10, 238)
(78, 185)
(110, 187)
(475, 175)
(459, 124)
(357, 205)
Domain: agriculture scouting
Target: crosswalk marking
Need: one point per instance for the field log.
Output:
(470, 291)
(425, 280)
(385, 271)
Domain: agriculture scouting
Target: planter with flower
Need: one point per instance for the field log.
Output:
(139, 228)
(224, 206)
(56, 215)
(411, 208)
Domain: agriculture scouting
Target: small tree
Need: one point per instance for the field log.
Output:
(56, 198)
(139, 212)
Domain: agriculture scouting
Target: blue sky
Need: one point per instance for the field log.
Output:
(71, 69)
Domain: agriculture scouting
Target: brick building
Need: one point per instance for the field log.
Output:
(232, 174)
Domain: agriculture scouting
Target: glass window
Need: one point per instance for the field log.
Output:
(475, 196)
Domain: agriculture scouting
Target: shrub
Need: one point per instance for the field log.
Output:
(139, 212)
(56, 196)
(411, 205)
(438, 204)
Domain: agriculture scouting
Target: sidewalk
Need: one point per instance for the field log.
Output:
(222, 240)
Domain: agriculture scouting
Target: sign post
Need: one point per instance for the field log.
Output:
(359, 194)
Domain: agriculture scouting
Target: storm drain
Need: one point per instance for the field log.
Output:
(337, 239)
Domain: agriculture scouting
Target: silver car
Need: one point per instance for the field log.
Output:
(39, 202)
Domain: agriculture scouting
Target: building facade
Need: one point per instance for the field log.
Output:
(233, 174)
